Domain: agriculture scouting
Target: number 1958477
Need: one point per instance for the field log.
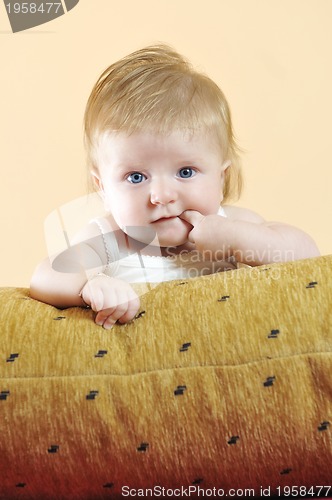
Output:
(33, 8)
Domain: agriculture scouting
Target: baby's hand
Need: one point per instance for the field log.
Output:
(194, 218)
(112, 299)
(209, 234)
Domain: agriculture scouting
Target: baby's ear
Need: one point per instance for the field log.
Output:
(225, 165)
(96, 179)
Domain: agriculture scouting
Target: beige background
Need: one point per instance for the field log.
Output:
(272, 58)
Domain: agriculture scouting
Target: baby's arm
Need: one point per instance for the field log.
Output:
(72, 279)
(248, 237)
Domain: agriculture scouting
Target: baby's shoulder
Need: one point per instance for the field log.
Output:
(244, 214)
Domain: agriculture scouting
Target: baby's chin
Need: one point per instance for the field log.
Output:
(172, 242)
(175, 235)
(160, 235)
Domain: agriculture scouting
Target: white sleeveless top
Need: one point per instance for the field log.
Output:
(138, 268)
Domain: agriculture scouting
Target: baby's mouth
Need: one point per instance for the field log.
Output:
(165, 219)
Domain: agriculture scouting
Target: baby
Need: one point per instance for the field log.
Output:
(162, 153)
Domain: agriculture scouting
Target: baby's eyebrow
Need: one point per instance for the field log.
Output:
(129, 167)
(195, 161)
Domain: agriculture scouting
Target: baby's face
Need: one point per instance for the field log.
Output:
(148, 180)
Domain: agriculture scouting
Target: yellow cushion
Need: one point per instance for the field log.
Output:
(220, 382)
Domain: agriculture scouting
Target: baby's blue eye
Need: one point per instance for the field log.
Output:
(186, 172)
(136, 177)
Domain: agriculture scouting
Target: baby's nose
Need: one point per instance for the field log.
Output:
(162, 193)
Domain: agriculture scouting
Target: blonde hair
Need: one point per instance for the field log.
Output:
(156, 89)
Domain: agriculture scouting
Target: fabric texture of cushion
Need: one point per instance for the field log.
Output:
(221, 382)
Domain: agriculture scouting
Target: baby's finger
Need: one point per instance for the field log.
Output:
(114, 317)
(102, 316)
(133, 307)
(95, 297)
(118, 311)
(192, 216)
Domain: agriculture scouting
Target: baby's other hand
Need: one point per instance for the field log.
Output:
(112, 299)
(208, 234)
(194, 218)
